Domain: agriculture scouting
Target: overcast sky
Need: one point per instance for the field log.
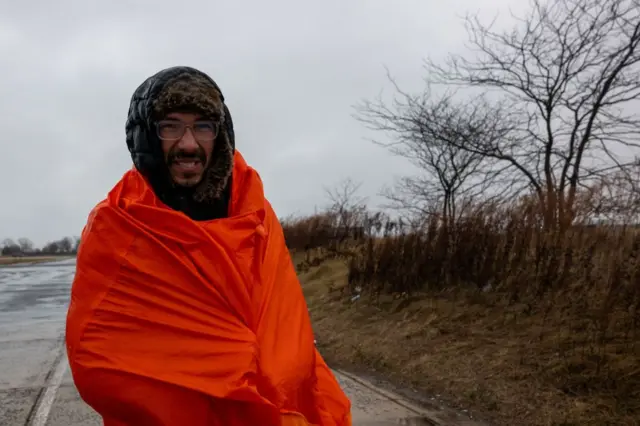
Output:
(291, 72)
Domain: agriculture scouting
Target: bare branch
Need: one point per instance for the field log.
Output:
(431, 132)
(567, 74)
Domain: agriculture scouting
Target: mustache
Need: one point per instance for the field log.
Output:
(180, 154)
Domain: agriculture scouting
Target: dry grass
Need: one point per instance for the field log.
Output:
(10, 260)
(523, 326)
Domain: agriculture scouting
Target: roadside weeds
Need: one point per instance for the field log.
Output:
(465, 350)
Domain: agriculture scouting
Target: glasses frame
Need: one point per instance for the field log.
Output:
(186, 126)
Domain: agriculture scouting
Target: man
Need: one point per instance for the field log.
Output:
(186, 308)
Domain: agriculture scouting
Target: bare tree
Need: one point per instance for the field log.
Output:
(66, 245)
(10, 248)
(8, 242)
(568, 74)
(347, 208)
(429, 132)
(613, 199)
(26, 245)
(344, 195)
(52, 247)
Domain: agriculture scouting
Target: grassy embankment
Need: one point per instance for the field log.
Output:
(518, 325)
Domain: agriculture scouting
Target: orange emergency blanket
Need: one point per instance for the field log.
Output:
(174, 322)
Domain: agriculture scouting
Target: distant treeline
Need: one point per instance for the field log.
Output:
(25, 247)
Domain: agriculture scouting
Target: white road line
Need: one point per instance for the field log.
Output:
(45, 404)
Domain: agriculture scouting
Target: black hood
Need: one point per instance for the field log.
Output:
(182, 88)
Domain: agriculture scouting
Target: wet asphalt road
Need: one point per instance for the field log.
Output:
(35, 384)
(36, 387)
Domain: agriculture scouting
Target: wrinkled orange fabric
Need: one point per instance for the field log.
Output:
(174, 322)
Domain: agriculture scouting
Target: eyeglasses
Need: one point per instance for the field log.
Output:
(173, 130)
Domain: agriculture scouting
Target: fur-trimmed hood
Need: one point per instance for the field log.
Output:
(183, 89)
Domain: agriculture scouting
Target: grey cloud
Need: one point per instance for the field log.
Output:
(291, 72)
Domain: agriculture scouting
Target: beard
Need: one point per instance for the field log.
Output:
(186, 168)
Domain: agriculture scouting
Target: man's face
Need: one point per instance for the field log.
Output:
(187, 143)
